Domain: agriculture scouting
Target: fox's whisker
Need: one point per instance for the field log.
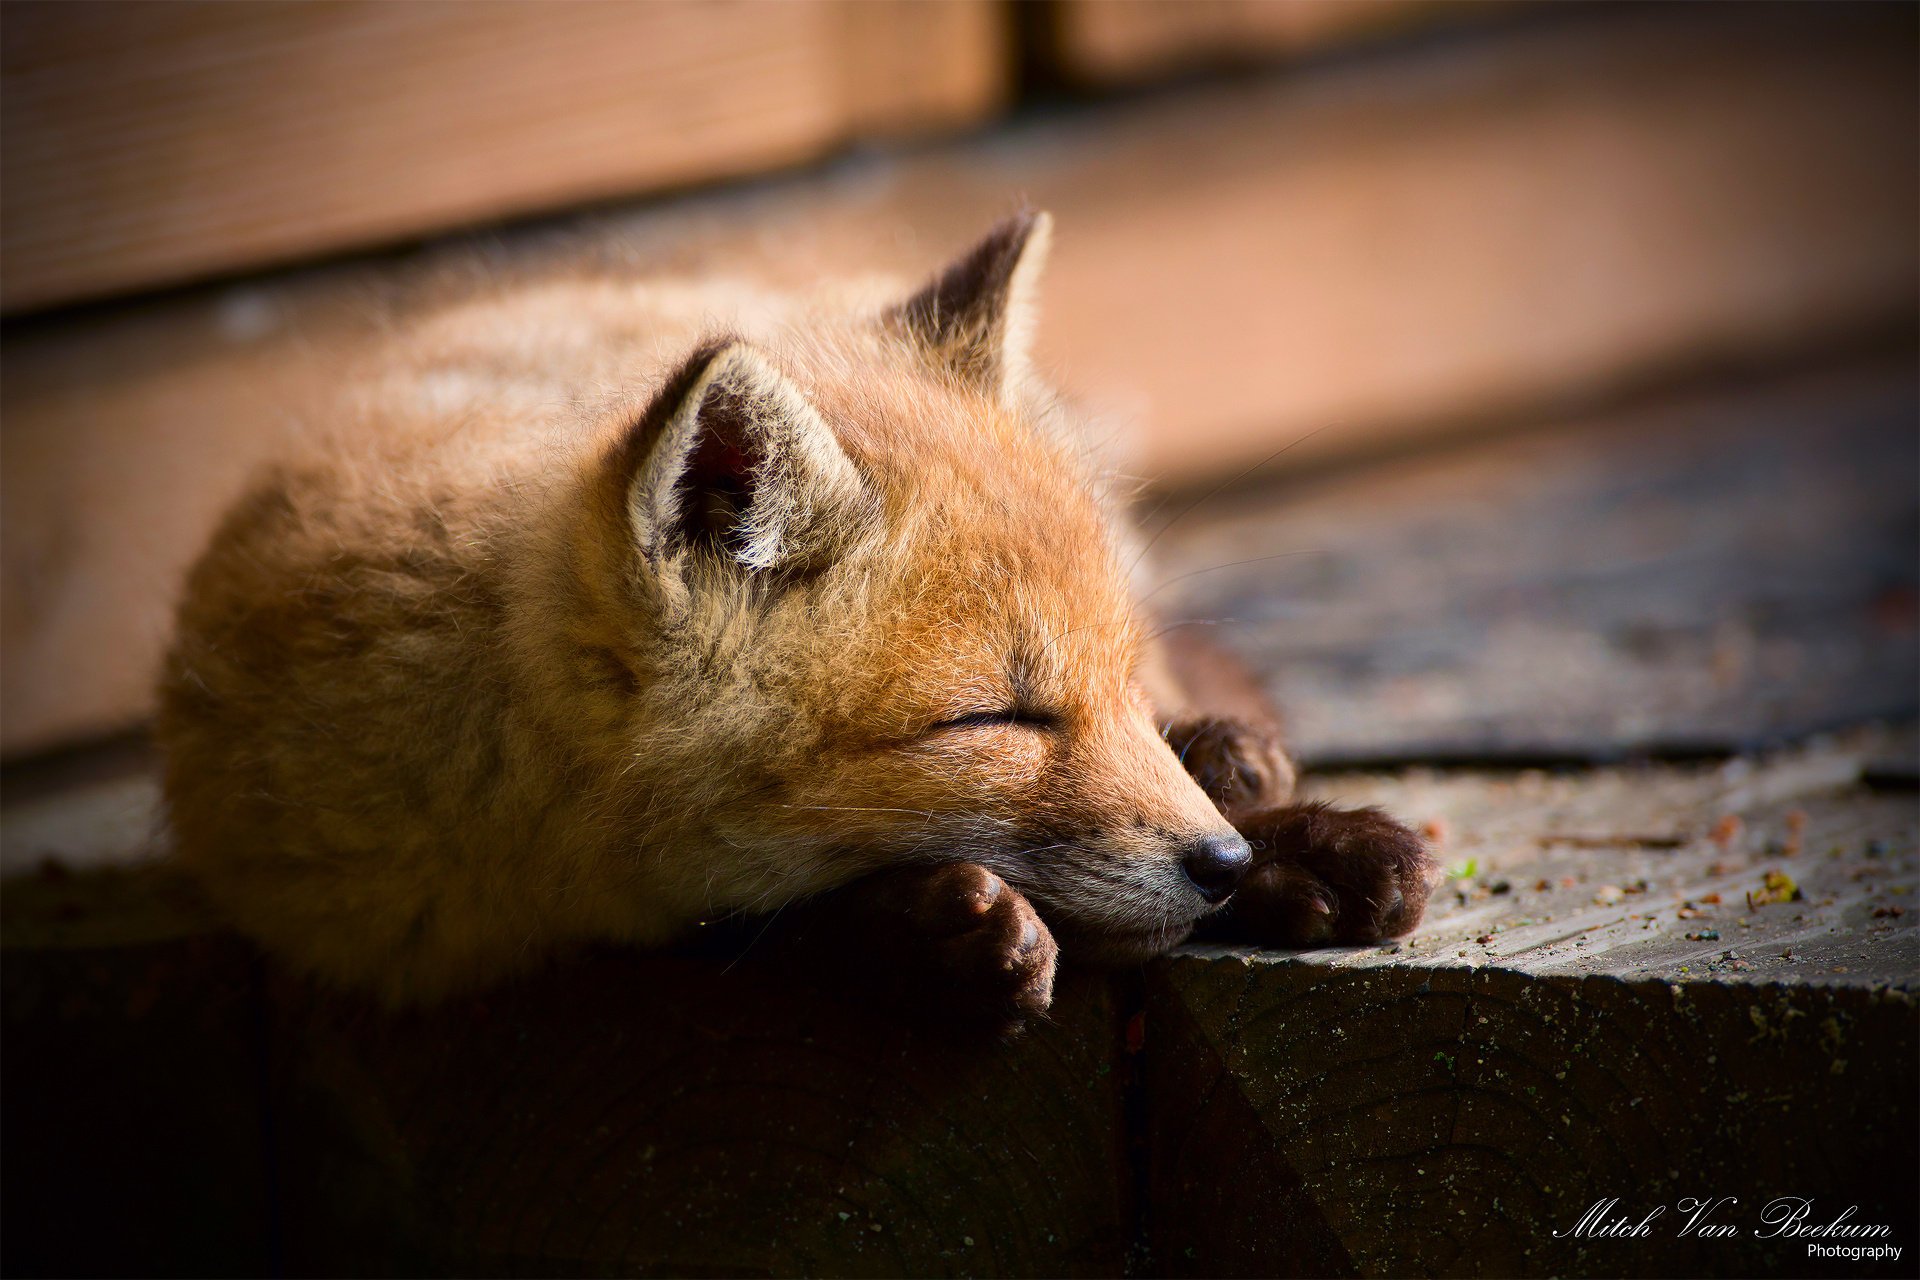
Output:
(1231, 564)
(1214, 492)
(860, 808)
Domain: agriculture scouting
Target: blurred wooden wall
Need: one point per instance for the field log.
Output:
(1108, 42)
(150, 143)
(1548, 204)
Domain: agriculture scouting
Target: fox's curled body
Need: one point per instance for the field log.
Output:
(601, 609)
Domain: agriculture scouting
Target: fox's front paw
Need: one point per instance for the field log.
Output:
(1323, 875)
(951, 945)
(989, 946)
(1240, 764)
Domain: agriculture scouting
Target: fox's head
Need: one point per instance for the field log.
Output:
(855, 600)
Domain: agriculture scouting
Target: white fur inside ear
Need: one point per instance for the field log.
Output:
(977, 317)
(802, 491)
(1022, 315)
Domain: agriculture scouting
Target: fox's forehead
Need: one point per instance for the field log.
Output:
(943, 445)
(1010, 578)
(996, 562)
(1034, 649)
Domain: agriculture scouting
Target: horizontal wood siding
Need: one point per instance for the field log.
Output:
(146, 144)
(1122, 41)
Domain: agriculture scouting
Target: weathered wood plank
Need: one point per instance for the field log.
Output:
(1122, 41)
(1662, 872)
(1451, 1121)
(1710, 573)
(150, 144)
(1573, 1023)
(635, 1114)
(1456, 235)
(659, 1116)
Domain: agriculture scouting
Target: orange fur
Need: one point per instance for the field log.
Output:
(498, 666)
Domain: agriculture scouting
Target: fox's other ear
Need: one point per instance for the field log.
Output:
(977, 316)
(732, 459)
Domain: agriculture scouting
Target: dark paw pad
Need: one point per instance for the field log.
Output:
(1326, 876)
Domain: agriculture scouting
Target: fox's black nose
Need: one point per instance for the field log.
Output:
(1215, 865)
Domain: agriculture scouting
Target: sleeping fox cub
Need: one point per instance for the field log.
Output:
(602, 611)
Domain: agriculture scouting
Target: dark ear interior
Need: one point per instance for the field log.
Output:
(717, 489)
(732, 458)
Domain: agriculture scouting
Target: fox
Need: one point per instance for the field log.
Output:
(596, 611)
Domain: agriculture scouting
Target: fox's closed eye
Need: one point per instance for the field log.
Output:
(1025, 719)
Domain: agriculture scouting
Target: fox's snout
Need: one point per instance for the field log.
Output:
(1215, 864)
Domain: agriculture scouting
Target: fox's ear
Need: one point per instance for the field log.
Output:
(977, 316)
(733, 460)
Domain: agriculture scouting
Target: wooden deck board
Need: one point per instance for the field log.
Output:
(1661, 872)
(1596, 1008)
(1706, 574)
(1462, 1121)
